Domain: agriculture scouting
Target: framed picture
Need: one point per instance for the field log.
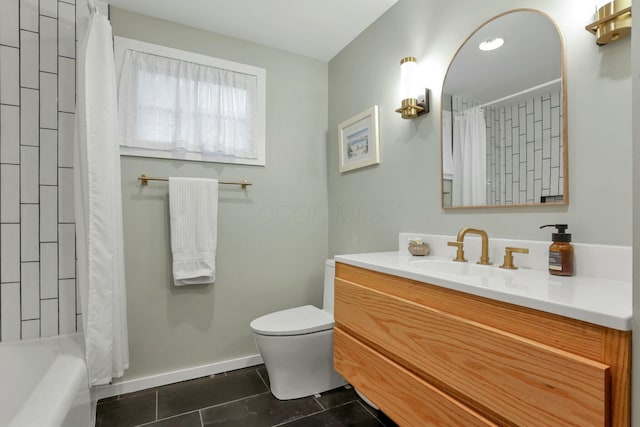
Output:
(358, 136)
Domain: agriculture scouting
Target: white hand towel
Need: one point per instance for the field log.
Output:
(193, 209)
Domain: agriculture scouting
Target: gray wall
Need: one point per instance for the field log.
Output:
(368, 207)
(272, 239)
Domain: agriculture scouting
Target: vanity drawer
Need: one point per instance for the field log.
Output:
(399, 393)
(508, 377)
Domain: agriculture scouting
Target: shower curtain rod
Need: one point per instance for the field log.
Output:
(513, 95)
(144, 180)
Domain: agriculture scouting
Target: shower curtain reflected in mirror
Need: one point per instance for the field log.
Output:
(98, 207)
(469, 186)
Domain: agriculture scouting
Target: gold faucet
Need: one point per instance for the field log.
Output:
(484, 258)
(508, 257)
(460, 252)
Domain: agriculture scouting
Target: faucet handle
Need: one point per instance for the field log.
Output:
(508, 257)
(460, 252)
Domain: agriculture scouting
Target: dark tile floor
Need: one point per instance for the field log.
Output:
(236, 398)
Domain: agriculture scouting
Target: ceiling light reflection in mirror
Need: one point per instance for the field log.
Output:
(491, 44)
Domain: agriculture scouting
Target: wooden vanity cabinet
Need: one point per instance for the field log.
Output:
(431, 356)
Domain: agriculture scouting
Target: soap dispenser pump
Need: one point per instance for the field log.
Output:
(560, 251)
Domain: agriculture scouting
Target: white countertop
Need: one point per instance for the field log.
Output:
(600, 301)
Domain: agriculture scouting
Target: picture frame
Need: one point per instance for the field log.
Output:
(359, 140)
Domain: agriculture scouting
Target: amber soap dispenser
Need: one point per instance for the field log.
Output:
(560, 251)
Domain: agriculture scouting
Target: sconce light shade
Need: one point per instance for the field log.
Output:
(412, 104)
(613, 22)
(408, 75)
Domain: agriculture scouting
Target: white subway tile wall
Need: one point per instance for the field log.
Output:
(524, 149)
(10, 72)
(10, 134)
(48, 100)
(49, 222)
(29, 233)
(65, 196)
(29, 174)
(10, 308)
(38, 294)
(67, 298)
(29, 15)
(49, 8)
(67, 85)
(10, 193)
(29, 59)
(65, 133)
(29, 117)
(66, 249)
(10, 259)
(48, 157)
(48, 270)
(9, 19)
(30, 329)
(48, 51)
(30, 290)
(526, 171)
(49, 317)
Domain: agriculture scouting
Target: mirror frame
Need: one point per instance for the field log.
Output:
(563, 104)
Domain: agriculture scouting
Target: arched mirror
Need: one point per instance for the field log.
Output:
(504, 138)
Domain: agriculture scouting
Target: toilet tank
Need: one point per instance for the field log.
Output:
(329, 275)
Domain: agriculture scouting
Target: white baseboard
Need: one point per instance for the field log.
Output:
(129, 386)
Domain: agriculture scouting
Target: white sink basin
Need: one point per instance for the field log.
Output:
(487, 276)
(445, 266)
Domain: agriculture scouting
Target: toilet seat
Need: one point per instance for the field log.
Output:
(294, 321)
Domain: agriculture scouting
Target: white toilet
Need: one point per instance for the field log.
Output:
(297, 346)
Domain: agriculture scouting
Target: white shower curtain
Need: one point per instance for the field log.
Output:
(447, 146)
(98, 207)
(469, 187)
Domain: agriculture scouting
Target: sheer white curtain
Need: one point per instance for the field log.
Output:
(179, 106)
(98, 207)
(470, 158)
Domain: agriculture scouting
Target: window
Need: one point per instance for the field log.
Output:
(181, 105)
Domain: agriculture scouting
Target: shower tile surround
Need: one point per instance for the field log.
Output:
(524, 149)
(38, 295)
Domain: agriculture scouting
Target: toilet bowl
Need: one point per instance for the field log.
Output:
(297, 346)
(366, 400)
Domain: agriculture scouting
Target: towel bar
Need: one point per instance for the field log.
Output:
(144, 180)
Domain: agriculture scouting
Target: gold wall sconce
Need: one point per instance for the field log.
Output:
(414, 103)
(613, 22)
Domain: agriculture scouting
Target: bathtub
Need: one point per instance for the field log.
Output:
(44, 383)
